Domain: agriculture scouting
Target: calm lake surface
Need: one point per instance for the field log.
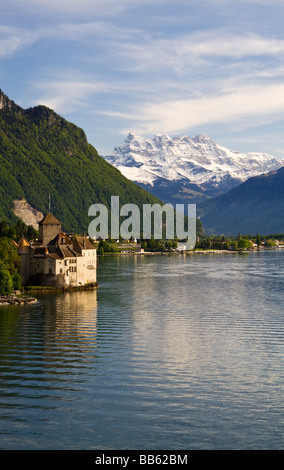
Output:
(171, 352)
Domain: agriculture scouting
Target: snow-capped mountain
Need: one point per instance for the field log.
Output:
(185, 169)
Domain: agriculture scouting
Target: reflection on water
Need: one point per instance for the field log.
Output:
(171, 352)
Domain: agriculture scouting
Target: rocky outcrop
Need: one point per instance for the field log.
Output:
(28, 214)
(14, 299)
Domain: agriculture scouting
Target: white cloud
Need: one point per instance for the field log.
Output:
(14, 39)
(177, 80)
(212, 77)
(258, 104)
(183, 52)
(140, 50)
(66, 95)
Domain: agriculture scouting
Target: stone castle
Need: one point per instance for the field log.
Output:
(56, 259)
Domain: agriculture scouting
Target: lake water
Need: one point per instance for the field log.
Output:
(171, 352)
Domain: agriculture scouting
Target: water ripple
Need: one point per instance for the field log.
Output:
(170, 352)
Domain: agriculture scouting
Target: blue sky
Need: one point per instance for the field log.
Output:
(151, 66)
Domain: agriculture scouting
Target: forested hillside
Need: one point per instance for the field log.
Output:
(42, 154)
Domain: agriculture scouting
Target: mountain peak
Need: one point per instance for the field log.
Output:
(133, 138)
(130, 136)
(6, 103)
(181, 161)
(43, 113)
(162, 138)
(202, 138)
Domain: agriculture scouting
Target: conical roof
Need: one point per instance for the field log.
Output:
(23, 243)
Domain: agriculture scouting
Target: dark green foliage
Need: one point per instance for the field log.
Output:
(105, 247)
(6, 281)
(203, 244)
(159, 245)
(9, 262)
(270, 242)
(244, 244)
(15, 232)
(222, 243)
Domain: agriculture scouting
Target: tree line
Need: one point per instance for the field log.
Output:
(10, 278)
(241, 242)
(109, 246)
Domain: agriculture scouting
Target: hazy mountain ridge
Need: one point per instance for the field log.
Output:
(255, 206)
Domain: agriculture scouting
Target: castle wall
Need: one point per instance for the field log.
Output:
(48, 232)
(60, 273)
(25, 265)
(87, 267)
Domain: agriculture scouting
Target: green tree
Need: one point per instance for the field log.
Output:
(174, 244)
(6, 281)
(32, 233)
(8, 254)
(244, 244)
(234, 245)
(203, 243)
(3, 227)
(100, 250)
(105, 247)
(9, 261)
(270, 242)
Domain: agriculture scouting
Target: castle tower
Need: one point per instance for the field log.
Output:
(49, 227)
(24, 252)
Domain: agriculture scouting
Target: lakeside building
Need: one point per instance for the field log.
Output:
(55, 259)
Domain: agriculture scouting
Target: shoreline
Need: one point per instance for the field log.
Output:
(187, 252)
(46, 289)
(23, 297)
(15, 299)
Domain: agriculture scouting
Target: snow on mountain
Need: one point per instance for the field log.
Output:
(197, 163)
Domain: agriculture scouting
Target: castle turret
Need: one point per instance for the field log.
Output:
(24, 252)
(49, 227)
